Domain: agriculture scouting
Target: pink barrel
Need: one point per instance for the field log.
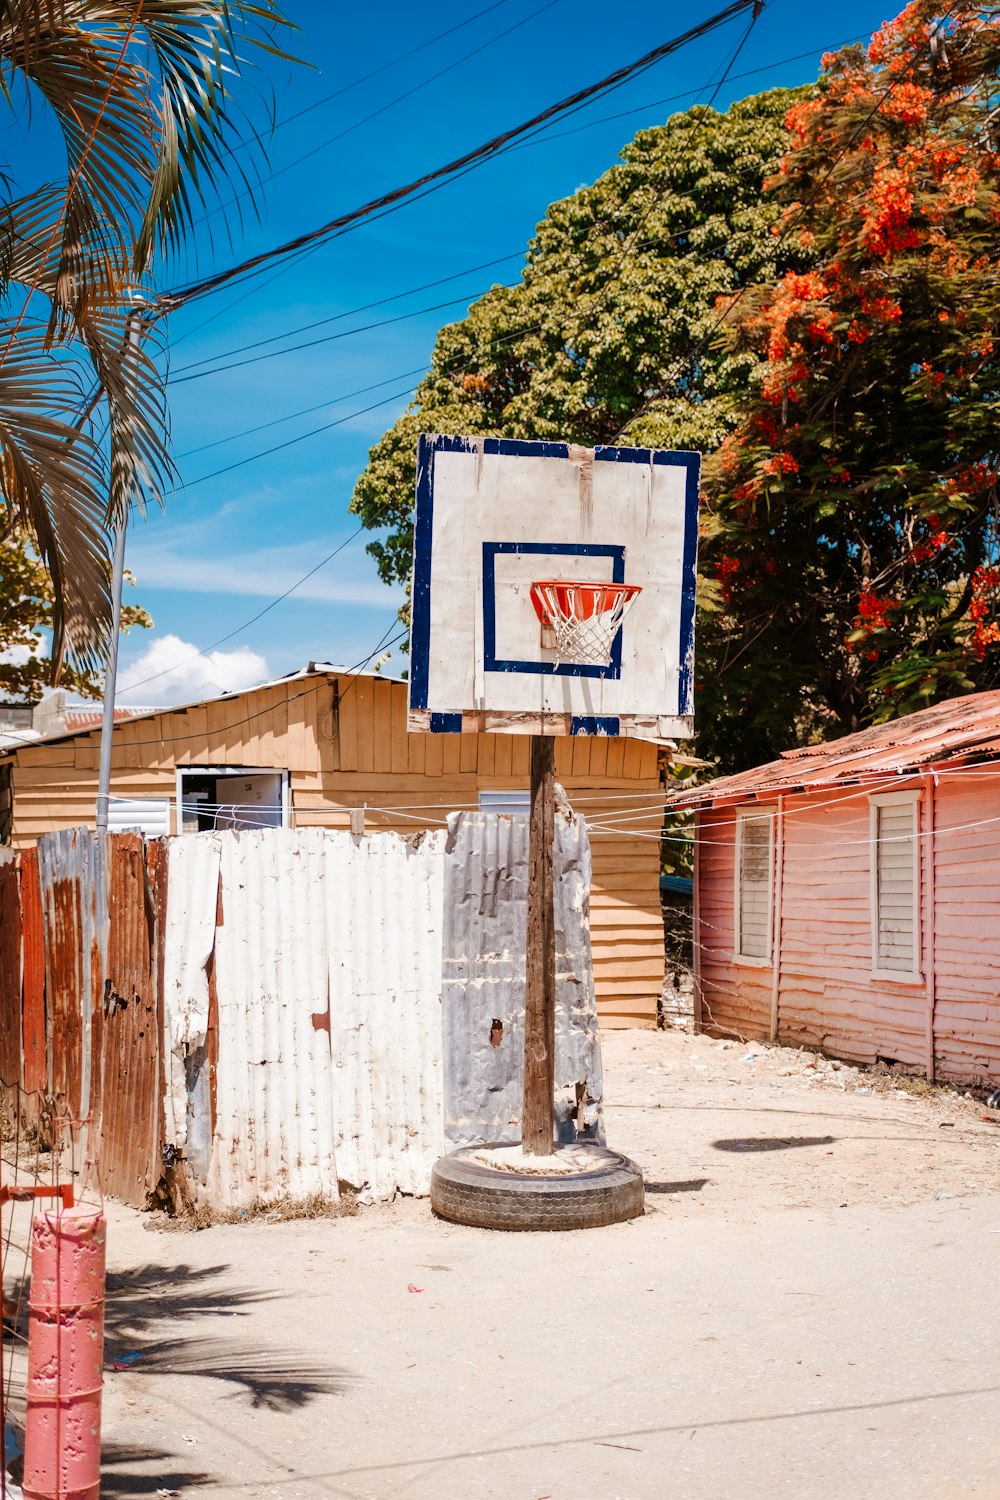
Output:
(62, 1441)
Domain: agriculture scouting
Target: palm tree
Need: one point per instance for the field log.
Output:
(141, 92)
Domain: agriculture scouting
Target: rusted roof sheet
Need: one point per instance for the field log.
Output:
(963, 729)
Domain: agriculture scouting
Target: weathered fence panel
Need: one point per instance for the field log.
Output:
(35, 1074)
(130, 1050)
(485, 919)
(259, 1015)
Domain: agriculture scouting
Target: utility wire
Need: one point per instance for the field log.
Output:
(329, 338)
(253, 619)
(351, 312)
(391, 103)
(793, 223)
(169, 301)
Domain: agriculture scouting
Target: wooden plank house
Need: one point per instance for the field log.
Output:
(847, 895)
(323, 744)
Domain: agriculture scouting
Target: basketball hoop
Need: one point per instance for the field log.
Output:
(584, 618)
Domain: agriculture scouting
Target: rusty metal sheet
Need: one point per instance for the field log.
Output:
(130, 1106)
(10, 971)
(35, 1075)
(66, 877)
(485, 919)
(959, 729)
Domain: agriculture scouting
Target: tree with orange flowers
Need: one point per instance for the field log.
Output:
(853, 537)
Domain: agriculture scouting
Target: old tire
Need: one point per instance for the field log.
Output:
(465, 1191)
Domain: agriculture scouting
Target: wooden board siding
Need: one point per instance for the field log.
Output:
(967, 928)
(735, 996)
(344, 743)
(828, 996)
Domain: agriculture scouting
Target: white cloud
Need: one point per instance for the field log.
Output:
(171, 670)
(184, 567)
(19, 656)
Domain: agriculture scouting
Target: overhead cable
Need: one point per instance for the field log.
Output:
(169, 301)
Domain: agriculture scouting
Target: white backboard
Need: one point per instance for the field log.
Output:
(495, 515)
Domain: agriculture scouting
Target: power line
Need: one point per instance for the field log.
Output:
(247, 623)
(291, 442)
(305, 412)
(781, 62)
(343, 223)
(525, 145)
(328, 338)
(792, 223)
(391, 103)
(351, 312)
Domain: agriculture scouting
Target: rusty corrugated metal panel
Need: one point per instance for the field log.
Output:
(129, 1122)
(35, 1056)
(485, 918)
(10, 971)
(959, 728)
(64, 864)
(384, 895)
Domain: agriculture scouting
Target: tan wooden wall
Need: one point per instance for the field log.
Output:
(344, 743)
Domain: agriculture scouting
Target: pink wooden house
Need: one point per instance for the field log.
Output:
(847, 896)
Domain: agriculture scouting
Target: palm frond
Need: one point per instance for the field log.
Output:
(50, 485)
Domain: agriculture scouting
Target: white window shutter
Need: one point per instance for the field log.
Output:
(755, 853)
(896, 886)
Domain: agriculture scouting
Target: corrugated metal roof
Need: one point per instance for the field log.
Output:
(958, 729)
(125, 714)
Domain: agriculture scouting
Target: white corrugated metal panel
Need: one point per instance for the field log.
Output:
(512, 803)
(274, 1131)
(188, 942)
(384, 898)
(149, 816)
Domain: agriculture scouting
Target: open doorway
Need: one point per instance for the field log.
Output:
(212, 797)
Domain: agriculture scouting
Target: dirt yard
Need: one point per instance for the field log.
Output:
(809, 1309)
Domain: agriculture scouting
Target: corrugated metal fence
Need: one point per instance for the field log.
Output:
(283, 1013)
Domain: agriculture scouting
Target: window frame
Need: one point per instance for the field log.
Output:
(877, 800)
(746, 813)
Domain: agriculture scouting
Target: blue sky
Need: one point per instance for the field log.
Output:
(227, 545)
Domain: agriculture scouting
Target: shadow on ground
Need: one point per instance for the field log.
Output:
(773, 1142)
(128, 1470)
(149, 1300)
(693, 1185)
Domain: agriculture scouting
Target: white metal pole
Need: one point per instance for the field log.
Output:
(111, 672)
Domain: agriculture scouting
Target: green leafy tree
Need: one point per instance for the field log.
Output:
(855, 532)
(141, 93)
(620, 285)
(27, 607)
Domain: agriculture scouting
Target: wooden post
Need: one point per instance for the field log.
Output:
(540, 960)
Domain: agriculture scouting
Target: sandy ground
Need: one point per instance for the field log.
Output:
(808, 1309)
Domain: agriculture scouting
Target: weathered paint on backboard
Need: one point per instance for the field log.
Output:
(495, 515)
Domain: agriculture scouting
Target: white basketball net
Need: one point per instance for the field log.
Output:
(586, 639)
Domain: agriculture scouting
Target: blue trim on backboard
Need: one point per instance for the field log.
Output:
(588, 725)
(429, 445)
(446, 723)
(523, 448)
(689, 580)
(491, 663)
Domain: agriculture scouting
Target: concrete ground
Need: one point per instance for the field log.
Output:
(808, 1309)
